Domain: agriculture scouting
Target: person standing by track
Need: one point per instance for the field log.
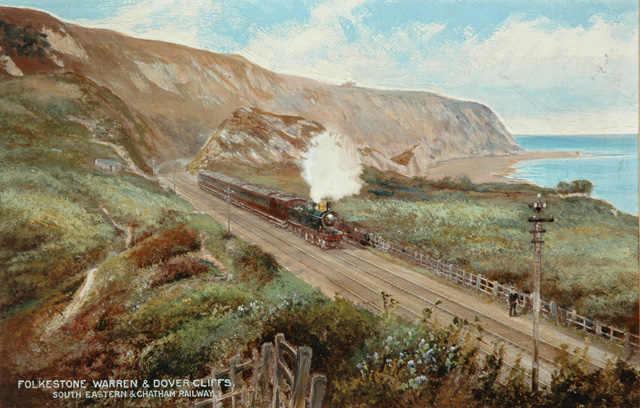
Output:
(513, 303)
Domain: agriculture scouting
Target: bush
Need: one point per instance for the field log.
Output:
(575, 385)
(335, 330)
(254, 263)
(462, 182)
(408, 365)
(169, 243)
(178, 268)
(576, 187)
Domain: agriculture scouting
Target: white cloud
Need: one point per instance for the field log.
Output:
(177, 21)
(525, 70)
(321, 48)
(535, 68)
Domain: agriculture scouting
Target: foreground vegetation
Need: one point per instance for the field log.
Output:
(190, 296)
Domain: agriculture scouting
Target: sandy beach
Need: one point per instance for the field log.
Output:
(488, 169)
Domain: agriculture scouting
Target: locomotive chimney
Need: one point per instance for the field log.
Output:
(328, 205)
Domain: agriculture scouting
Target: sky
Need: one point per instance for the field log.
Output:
(543, 66)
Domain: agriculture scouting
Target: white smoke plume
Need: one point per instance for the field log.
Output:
(332, 167)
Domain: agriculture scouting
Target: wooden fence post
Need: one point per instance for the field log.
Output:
(477, 281)
(277, 373)
(301, 376)
(317, 391)
(495, 288)
(554, 309)
(214, 388)
(267, 356)
(232, 376)
(255, 378)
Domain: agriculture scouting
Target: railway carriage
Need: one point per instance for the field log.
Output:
(314, 222)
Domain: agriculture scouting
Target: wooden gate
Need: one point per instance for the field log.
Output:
(277, 377)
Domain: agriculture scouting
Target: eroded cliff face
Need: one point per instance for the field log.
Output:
(186, 94)
(253, 137)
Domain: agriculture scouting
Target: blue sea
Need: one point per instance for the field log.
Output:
(610, 162)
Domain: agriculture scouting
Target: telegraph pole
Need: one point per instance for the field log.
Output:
(537, 232)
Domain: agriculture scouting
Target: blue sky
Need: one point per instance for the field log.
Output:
(544, 66)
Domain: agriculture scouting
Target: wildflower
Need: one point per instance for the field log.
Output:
(421, 379)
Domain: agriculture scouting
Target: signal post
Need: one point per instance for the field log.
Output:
(537, 232)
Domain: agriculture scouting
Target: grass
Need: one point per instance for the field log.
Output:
(590, 257)
(51, 196)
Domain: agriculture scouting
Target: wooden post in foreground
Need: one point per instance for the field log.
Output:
(301, 376)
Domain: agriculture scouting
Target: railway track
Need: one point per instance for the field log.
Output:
(366, 279)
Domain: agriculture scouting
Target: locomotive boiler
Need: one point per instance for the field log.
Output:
(314, 222)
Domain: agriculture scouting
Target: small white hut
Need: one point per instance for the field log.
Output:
(109, 165)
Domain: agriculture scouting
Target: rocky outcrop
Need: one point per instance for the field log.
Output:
(257, 138)
(185, 94)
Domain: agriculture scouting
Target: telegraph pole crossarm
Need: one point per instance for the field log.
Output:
(537, 208)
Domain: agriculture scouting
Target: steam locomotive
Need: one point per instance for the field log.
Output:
(315, 222)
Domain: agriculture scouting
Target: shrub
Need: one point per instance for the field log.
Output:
(407, 365)
(576, 187)
(335, 330)
(462, 182)
(167, 244)
(575, 385)
(254, 263)
(178, 268)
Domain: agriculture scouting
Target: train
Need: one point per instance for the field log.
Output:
(314, 222)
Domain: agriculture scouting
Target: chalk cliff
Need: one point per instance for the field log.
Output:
(186, 94)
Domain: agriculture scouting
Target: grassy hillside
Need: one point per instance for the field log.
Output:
(53, 201)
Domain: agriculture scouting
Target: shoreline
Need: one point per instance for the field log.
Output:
(490, 169)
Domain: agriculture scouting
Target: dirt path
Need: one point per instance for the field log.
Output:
(73, 307)
(79, 297)
(127, 230)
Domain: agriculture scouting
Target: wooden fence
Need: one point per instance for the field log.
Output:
(278, 377)
(496, 289)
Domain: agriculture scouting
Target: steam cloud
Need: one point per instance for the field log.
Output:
(332, 167)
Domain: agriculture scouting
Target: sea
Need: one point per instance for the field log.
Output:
(610, 162)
